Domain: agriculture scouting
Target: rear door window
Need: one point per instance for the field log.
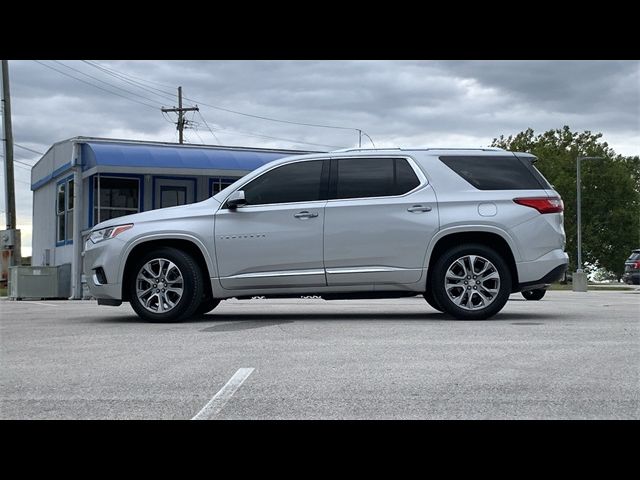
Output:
(374, 177)
(495, 172)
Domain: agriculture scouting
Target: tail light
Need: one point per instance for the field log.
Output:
(637, 264)
(542, 204)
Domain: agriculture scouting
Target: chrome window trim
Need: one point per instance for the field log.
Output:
(222, 204)
(424, 181)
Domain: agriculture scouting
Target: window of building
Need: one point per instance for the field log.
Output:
(172, 196)
(295, 182)
(114, 197)
(494, 173)
(218, 184)
(64, 211)
(374, 177)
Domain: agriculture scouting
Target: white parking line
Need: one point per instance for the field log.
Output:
(221, 398)
(41, 303)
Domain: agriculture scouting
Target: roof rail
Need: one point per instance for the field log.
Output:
(488, 149)
(353, 149)
(484, 149)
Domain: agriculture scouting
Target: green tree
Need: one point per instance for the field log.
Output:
(610, 192)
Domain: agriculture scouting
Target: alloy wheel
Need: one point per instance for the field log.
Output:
(472, 282)
(159, 285)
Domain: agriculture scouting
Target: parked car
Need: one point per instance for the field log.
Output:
(632, 268)
(463, 228)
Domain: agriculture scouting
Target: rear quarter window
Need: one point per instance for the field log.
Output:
(495, 172)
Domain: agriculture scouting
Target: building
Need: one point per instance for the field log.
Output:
(82, 181)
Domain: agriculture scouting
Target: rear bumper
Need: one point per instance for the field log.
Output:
(536, 270)
(552, 276)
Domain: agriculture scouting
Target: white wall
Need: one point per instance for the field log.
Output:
(44, 204)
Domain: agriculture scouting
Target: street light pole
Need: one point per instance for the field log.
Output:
(579, 277)
(579, 212)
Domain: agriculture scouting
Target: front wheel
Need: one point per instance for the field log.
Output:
(471, 282)
(165, 286)
(536, 294)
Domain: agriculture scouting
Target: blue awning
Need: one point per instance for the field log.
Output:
(159, 156)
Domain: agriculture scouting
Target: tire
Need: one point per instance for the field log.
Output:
(479, 298)
(428, 296)
(536, 294)
(207, 305)
(184, 277)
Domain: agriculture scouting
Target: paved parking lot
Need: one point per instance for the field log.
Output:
(571, 355)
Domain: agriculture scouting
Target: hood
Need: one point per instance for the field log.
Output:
(206, 207)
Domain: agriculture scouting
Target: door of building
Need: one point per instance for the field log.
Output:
(171, 192)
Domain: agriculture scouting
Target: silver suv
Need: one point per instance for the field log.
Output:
(464, 228)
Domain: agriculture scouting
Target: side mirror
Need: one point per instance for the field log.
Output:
(236, 199)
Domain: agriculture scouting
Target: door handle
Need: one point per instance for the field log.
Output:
(419, 209)
(305, 215)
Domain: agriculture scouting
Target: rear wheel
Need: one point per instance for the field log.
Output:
(165, 286)
(536, 294)
(471, 282)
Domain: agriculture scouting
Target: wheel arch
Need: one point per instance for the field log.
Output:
(491, 237)
(186, 243)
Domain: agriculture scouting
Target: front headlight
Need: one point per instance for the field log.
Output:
(109, 232)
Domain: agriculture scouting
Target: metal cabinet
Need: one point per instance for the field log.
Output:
(40, 282)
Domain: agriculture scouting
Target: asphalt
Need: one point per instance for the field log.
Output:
(569, 356)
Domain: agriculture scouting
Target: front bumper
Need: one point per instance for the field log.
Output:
(106, 255)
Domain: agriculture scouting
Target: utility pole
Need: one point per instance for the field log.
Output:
(180, 124)
(10, 195)
(9, 238)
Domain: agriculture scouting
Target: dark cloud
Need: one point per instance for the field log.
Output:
(399, 103)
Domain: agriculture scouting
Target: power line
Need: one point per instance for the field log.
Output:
(17, 180)
(26, 166)
(269, 118)
(23, 163)
(262, 117)
(20, 163)
(122, 77)
(208, 127)
(96, 86)
(241, 133)
(195, 130)
(102, 81)
(238, 132)
(27, 148)
(129, 75)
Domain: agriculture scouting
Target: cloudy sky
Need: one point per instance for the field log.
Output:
(397, 103)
